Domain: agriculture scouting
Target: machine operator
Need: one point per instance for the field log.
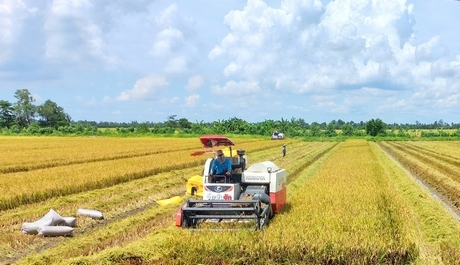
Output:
(220, 166)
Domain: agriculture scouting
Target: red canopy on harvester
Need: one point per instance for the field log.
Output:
(215, 140)
(210, 141)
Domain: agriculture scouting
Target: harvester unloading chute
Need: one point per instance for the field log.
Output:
(249, 196)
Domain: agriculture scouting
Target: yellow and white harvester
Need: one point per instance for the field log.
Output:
(249, 196)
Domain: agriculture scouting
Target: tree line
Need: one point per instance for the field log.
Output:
(24, 117)
(23, 113)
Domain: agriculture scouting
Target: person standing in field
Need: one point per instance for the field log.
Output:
(284, 150)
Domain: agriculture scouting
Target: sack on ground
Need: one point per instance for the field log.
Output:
(91, 213)
(52, 218)
(70, 221)
(32, 228)
(48, 230)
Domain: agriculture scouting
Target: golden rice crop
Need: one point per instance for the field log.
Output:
(347, 204)
(29, 153)
(347, 213)
(122, 197)
(93, 163)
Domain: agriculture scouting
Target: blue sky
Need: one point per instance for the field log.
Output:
(207, 60)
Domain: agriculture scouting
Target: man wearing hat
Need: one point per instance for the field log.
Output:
(284, 150)
(220, 166)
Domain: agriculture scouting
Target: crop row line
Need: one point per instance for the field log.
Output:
(429, 153)
(444, 166)
(437, 180)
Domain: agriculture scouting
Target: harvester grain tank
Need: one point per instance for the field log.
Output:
(249, 196)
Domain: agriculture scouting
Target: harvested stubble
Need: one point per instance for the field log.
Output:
(437, 169)
(436, 226)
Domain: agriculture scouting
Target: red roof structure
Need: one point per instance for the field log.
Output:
(215, 140)
(210, 141)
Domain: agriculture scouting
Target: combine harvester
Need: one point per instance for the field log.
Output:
(277, 136)
(249, 196)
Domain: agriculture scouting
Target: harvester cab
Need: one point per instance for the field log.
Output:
(211, 143)
(249, 196)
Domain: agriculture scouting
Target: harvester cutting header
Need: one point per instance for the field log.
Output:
(242, 196)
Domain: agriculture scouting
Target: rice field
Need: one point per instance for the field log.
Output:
(352, 202)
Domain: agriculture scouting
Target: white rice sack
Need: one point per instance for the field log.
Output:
(91, 213)
(70, 221)
(54, 216)
(32, 228)
(51, 218)
(48, 230)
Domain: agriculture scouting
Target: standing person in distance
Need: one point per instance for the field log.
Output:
(220, 166)
(284, 149)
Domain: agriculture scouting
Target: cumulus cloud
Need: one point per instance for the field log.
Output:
(265, 39)
(194, 82)
(331, 56)
(174, 41)
(168, 40)
(72, 35)
(12, 15)
(192, 100)
(176, 65)
(236, 88)
(144, 88)
(312, 46)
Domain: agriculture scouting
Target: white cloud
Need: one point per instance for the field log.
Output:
(174, 43)
(192, 100)
(144, 88)
(12, 16)
(233, 88)
(72, 34)
(351, 37)
(194, 82)
(176, 65)
(167, 41)
(343, 56)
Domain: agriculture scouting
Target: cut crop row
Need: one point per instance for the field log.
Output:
(440, 175)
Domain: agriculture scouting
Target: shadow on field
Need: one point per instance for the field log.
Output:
(287, 208)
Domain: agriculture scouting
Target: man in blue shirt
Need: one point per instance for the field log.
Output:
(220, 166)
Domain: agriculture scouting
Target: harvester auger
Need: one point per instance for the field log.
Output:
(249, 196)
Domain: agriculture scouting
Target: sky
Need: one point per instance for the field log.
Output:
(208, 60)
